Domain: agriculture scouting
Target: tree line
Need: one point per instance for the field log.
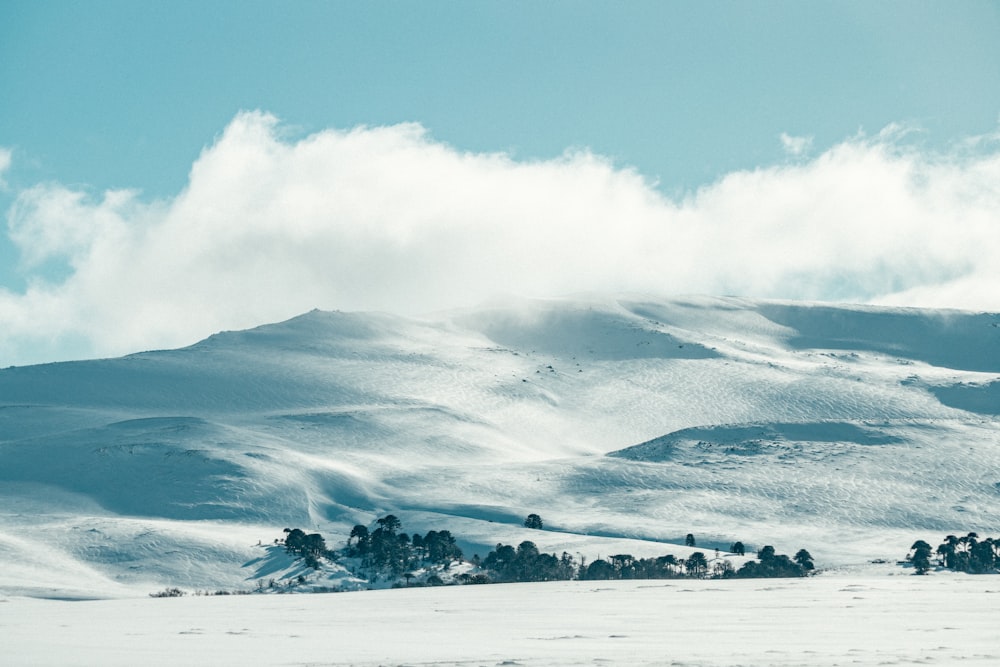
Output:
(385, 548)
(385, 551)
(968, 554)
(698, 566)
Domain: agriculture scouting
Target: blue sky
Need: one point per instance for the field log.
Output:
(125, 94)
(104, 96)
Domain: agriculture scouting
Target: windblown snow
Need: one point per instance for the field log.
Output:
(626, 422)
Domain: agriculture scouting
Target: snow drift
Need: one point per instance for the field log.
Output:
(626, 421)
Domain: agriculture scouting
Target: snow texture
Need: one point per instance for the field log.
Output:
(626, 422)
(821, 622)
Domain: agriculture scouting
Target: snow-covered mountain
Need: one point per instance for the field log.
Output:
(626, 422)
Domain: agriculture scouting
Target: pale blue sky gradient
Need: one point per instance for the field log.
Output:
(125, 94)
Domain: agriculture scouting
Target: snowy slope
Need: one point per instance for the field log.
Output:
(851, 431)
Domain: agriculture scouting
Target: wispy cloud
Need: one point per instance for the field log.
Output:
(386, 218)
(795, 146)
(6, 156)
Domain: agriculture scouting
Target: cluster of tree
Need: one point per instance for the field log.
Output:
(962, 554)
(168, 593)
(385, 548)
(526, 563)
(625, 566)
(310, 547)
(771, 564)
(698, 566)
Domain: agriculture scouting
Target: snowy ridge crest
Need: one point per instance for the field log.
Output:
(629, 421)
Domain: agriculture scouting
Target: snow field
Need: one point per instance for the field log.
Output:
(820, 621)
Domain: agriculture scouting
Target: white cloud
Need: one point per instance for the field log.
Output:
(6, 155)
(386, 218)
(795, 146)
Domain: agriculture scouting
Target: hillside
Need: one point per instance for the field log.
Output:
(848, 430)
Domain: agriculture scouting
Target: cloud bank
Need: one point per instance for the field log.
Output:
(387, 218)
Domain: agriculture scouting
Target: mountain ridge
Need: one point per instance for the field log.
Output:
(774, 420)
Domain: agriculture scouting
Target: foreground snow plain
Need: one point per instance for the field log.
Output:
(859, 619)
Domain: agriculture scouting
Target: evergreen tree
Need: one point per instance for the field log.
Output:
(294, 537)
(624, 565)
(600, 570)
(723, 569)
(772, 564)
(668, 565)
(389, 523)
(947, 551)
(920, 556)
(982, 557)
(440, 546)
(360, 534)
(696, 564)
